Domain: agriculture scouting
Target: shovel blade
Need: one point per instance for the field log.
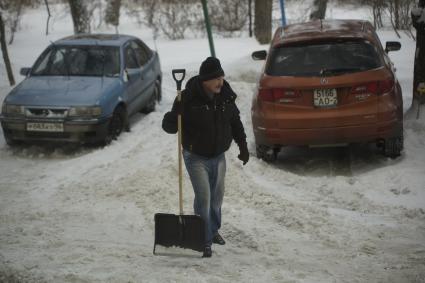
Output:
(184, 231)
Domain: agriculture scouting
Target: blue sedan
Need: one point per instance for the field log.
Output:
(83, 88)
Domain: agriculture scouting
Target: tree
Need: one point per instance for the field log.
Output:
(17, 17)
(12, 15)
(319, 10)
(397, 11)
(4, 51)
(173, 17)
(80, 16)
(378, 7)
(48, 16)
(250, 17)
(112, 13)
(263, 20)
(228, 16)
(418, 20)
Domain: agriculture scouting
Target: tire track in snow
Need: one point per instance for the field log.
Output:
(309, 219)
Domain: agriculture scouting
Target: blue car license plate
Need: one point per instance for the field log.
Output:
(45, 127)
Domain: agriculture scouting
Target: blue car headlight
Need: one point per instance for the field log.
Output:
(85, 111)
(12, 109)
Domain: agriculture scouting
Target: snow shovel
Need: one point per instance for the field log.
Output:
(183, 231)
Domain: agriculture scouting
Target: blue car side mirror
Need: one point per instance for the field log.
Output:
(25, 71)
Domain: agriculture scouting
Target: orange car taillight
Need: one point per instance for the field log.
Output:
(276, 94)
(385, 86)
(378, 88)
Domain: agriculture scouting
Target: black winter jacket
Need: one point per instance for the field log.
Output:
(209, 125)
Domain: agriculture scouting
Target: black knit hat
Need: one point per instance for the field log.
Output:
(210, 69)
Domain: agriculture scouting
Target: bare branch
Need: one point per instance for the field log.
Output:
(5, 53)
(49, 15)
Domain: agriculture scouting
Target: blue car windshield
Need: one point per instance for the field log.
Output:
(78, 61)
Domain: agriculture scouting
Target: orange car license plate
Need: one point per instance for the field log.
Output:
(326, 97)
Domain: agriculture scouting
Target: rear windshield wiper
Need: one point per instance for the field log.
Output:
(328, 72)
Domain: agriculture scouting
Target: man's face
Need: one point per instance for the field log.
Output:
(213, 85)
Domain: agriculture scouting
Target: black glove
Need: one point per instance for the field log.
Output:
(243, 152)
(169, 123)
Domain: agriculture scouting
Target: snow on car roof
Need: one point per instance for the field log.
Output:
(96, 39)
(321, 29)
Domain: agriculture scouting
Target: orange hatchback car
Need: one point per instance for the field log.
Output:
(327, 83)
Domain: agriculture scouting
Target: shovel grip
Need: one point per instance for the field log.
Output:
(178, 81)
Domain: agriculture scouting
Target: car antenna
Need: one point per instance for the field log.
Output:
(64, 58)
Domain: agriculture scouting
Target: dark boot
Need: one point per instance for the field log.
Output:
(217, 239)
(207, 251)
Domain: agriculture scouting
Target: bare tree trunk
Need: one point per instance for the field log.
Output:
(48, 18)
(112, 13)
(263, 20)
(15, 21)
(319, 10)
(397, 13)
(419, 69)
(250, 17)
(99, 24)
(393, 24)
(79, 16)
(4, 51)
(377, 6)
(151, 7)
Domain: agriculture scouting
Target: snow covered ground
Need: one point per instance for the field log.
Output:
(83, 214)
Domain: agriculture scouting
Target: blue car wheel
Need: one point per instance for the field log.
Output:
(116, 124)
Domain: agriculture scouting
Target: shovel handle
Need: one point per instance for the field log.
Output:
(179, 80)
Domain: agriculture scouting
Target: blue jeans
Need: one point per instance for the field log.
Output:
(207, 177)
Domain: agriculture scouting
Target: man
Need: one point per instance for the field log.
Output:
(210, 120)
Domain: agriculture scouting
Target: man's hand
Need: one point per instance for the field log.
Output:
(243, 153)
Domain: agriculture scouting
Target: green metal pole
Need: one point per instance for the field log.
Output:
(207, 23)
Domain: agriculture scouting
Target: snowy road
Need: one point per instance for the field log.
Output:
(318, 215)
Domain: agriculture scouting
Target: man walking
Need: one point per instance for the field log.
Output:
(210, 120)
